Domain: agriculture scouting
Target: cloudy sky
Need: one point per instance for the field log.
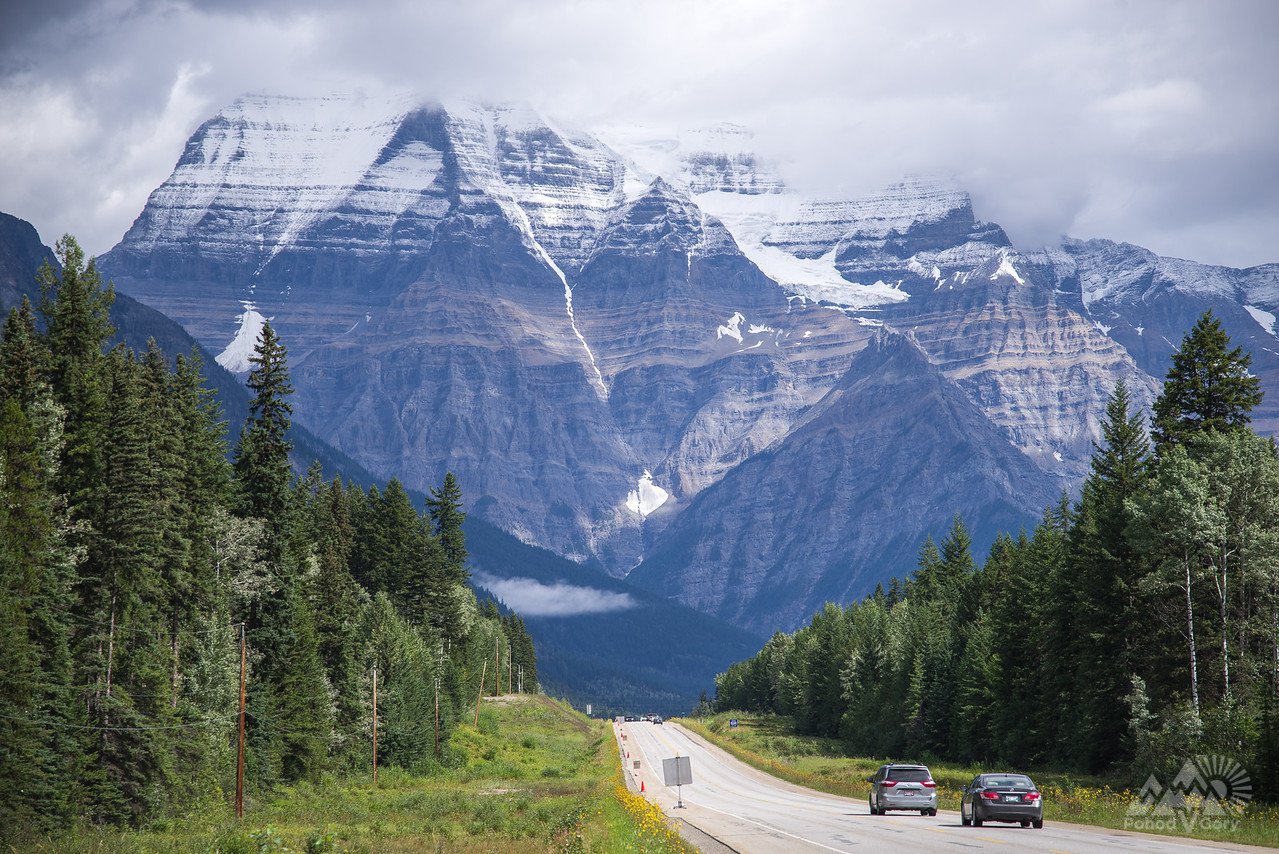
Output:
(1152, 122)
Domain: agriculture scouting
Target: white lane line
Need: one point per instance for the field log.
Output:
(768, 827)
(663, 742)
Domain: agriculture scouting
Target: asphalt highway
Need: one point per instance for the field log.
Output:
(747, 811)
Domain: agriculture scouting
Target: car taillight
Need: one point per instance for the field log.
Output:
(990, 796)
(929, 784)
(1032, 796)
(888, 784)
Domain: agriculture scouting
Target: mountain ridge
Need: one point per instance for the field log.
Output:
(558, 315)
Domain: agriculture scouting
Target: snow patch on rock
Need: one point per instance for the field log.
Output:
(646, 496)
(733, 329)
(235, 358)
(1265, 318)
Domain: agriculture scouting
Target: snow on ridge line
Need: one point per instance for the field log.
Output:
(237, 354)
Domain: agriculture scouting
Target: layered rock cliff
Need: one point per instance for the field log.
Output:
(622, 342)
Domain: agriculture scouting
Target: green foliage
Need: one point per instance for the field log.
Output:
(132, 553)
(1130, 630)
(1208, 388)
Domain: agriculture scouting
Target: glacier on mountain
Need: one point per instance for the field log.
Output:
(478, 288)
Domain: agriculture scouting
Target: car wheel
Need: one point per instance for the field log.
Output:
(871, 804)
(1038, 823)
(976, 819)
(933, 811)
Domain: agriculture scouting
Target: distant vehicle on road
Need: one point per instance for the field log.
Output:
(657, 719)
(902, 787)
(631, 718)
(1002, 797)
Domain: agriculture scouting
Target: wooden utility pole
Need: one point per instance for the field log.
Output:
(239, 754)
(375, 726)
(497, 665)
(510, 670)
(437, 717)
(483, 670)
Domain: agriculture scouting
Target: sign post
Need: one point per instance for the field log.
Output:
(678, 772)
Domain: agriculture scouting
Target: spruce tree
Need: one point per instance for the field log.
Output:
(23, 358)
(76, 309)
(35, 697)
(1106, 571)
(262, 468)
(445, 506)
(263, 485)
(1208, 386)
(301, 707)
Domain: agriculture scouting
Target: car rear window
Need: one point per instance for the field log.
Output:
(1016, 780)
(909, 775)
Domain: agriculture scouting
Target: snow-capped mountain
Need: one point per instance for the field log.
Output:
(623, 341)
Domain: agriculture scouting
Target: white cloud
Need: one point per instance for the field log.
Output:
(532, 598)
(1150, 121)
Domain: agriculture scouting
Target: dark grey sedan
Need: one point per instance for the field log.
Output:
(1002, 797)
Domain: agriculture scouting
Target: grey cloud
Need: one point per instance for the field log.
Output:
(1148, 121)
(532, 598)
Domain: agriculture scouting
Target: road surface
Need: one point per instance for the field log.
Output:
(750, 812)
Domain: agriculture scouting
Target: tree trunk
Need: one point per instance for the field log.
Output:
(106, 718)
(1190, 634)
(1223, 602)
(173, 700)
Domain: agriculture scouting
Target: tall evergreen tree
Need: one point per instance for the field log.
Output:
(262, 466)
(445, 506)
(76, 309)
(1208, 386)
(36, 754)
(23, 358)
(1106, 571)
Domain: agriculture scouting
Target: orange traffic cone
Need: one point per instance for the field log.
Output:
(641, 785)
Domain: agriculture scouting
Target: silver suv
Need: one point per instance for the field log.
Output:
(903, 787)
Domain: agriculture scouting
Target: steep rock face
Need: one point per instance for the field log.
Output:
(475, 368)
(1039, 370)
(705, 360)
(815, 517)
(600, 332)
(21, 254)
(1147, 303)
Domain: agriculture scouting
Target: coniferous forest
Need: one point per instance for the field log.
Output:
(1131, 629)
(139, 546)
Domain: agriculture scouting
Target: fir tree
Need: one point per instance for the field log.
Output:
(301, 707)
(1106, 570)
(23, 358)
(262, 466)
(76, 309)
(1208, 386)
(445, 506)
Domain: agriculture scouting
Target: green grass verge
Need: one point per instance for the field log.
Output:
(533, 776)
(770, 744)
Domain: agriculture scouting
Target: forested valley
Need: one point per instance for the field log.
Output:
(139, 555)
(1130, 630)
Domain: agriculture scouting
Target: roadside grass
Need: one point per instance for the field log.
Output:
(534, 776)
(770, 744)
